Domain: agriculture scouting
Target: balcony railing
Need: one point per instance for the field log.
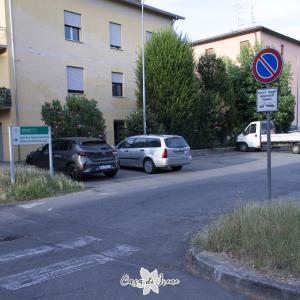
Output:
(5, 98)
(3, 40)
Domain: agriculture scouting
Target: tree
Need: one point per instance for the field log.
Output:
(245, 87)
(171, 85)
(134, 124)
(79, 116)
(215, 106)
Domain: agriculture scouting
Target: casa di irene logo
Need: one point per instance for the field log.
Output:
(149, 281)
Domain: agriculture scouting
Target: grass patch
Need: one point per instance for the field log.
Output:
(267, 235)
(34, 183)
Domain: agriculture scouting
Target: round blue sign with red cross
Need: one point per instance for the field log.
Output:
(267, 65)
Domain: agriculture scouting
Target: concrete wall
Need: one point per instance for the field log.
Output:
(42, 54)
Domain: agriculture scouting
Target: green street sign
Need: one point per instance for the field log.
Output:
(25, 130)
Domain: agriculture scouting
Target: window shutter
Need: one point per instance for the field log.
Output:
(75, 79)
(115, 34)
(72, 19)
(117, 77)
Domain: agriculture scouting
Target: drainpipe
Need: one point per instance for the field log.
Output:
(297, 99)
(13, 60)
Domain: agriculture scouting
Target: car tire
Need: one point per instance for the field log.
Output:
(243, 147)
(73, 172)
(149, 166)
(296, 148)
(111, 174)
(176, 168)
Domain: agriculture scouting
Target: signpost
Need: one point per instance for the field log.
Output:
(267, 67)
(29, 135)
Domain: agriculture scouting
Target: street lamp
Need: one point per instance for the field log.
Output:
(143, 67)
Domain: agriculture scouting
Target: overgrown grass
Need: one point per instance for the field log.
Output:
(267, 235)
(34, 183)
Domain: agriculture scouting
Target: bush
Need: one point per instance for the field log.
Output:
(79, 116)
(267, 235)
(32, 183)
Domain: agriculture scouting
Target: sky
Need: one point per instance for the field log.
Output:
(208, 18)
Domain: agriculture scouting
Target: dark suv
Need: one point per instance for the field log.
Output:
(77, 156)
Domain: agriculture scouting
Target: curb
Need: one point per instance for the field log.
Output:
(249, 282)
(211, 151)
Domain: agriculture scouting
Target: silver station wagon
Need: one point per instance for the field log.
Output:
(154, 151)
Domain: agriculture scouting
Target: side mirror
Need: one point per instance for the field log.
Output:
(244, 132)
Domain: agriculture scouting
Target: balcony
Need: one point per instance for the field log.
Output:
(5, 99)
(3, 40)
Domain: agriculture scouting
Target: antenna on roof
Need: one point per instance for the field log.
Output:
(252, 16)
(239, 8)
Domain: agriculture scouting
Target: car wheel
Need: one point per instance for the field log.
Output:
(176, 168)
(149, 166)
(111, 173)
(73, 171)
(296, 148)
(243, 147)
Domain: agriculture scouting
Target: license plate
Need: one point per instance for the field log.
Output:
(106, 167)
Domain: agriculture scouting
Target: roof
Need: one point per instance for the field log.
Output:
(152, 9)
(245, 31)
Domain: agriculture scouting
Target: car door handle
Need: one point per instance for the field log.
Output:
(142, 150)
(126, 150)
(57, 155)
(256, 135)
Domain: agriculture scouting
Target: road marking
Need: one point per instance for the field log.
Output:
(120, 251)
(79, 242)
(38, 275)
(31, 205)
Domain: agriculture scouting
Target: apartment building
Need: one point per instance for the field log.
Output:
(52, 48)
(229, 45)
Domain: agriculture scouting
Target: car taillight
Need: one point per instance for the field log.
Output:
(165, 154)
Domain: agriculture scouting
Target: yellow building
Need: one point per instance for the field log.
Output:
(229, 45)
(49, 48)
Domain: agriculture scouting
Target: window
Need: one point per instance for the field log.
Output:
(127, 143)
(209, 51)
(75, 80)
(139, 143)
(282, 50)
(244, 44)
(115, 35)
(153, 143)
(253, 128)
(72, 26)
(176, 142)
(65, 146)
(149, 35)
(117, 84)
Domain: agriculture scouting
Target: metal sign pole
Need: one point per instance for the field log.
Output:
(269, 155)
(50, 153)
(11, 157)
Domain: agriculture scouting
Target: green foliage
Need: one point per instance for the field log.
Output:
(215, 106)
(245, 87)
(171, 85)
(134, 124)
(5, 96)
(32, 183)
(79, 116)
(265, 235)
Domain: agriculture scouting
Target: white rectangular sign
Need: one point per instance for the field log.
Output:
(30, 135)
(266, 100)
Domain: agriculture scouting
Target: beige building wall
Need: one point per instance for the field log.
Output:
(42, 54)
(230, 47)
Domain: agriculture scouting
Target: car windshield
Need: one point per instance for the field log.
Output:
(95, 145)
(176, 142)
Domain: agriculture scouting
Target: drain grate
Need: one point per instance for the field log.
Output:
(9, 238)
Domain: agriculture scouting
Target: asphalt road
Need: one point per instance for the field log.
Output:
(80, 246)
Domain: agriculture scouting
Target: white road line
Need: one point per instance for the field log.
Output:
(31, 205)
(39, 275)
(53, 271)
(79, 242)
(120, 250)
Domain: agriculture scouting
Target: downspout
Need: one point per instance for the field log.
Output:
(12, 44)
